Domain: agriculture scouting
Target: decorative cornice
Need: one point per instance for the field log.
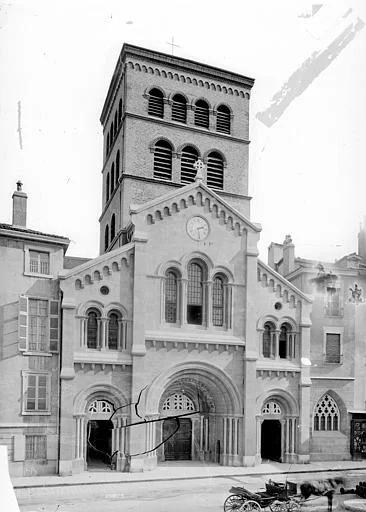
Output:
(190, 344)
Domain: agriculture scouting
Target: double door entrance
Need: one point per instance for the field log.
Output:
(179, 445)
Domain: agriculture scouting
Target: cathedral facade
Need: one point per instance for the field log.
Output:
(177, 342)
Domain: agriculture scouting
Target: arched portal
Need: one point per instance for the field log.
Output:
(209, 409)
(277, 421)
(100, 436)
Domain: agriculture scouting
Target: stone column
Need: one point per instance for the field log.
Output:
(208, 300)
(258, 457)
(102, 331)
(67, 374)
(276, 343)
(184, 301)
(304, 392)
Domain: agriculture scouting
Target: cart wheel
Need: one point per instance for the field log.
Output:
(233, 502)
(291, 506)
(249, 506)
(278, 506)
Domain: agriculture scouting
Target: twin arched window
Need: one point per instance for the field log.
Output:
(199, 297)
(278, 343)
(115, 124)
(111, 337)
(112, 178)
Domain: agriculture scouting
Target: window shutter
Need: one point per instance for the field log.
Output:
(333, 348)
(54, 306)
(23, 322)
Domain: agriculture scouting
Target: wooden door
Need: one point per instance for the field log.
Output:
(179, 446)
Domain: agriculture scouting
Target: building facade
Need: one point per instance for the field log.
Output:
(177, 316)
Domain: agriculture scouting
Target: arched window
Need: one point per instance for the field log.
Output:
(267, 345)
(119, 111)
(112, 178)
(117, 167)
(218, 301)
(195, 294)
(106, 237)
(114, 342)
(215, 170)
(93, 316)
(283, 341)
(112, 133)
(178, 402)
(223, 119)
(171, 297)
(188, 158)
(163, 160)
(113, 227)
(115, 123)
(107, 188)
(179, 108)
(201, 114)
(108, 143)
(326, 414)
(156, 103)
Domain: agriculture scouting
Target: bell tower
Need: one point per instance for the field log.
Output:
(162, 113)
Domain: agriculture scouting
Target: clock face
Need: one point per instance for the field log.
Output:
(197, 228)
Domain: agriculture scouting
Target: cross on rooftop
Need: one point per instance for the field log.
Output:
(172, 45)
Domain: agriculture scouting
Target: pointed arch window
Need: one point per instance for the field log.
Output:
(106, 237)
(188, 158)
(114, 330)
(112, 178)
(163, 160)
(107, 188)
(179, 108)
(195, 294)
(119, 111)
(113, 227)
(267, 341)
(117, 167)
(201, 114)
(92, 328)
(223, 118)
(171, 297)
(218, 299)
(215, 170)
(326, 414)
(156, 103)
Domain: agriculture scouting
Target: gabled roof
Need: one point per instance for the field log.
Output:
(166, 200)
(32, 234)
(284, 282)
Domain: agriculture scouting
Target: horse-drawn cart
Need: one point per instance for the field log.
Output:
(277, 497)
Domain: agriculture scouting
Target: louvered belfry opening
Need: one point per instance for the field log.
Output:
(215, 171)
(201, 114)
(156, 103)
(179, 108)
(223, 119)
(163, 160)
(188, 158)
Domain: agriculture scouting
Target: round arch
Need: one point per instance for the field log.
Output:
(220, 387)
(83, 308)
(285, 399)
(99, 391)
(267, 318)
(197, 255)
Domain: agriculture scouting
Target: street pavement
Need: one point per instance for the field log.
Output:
(163, 495)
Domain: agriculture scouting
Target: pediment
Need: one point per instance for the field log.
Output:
(197, 194)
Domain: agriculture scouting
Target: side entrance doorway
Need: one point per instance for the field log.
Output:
(179, 446)
(99, 443)
(271, 440)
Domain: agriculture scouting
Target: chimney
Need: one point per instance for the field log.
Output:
(288, 255)
(275, 255)
(362, 240)
(19, 206)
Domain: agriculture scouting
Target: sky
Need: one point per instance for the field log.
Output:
(307, 172)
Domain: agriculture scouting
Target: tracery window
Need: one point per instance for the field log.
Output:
(171, 297)
(218, 301)
(326, 414)
(92, 331)
(201, 114)
(156, 103)
(223, 117)
(215, 170)
(188, 158)
(179, 108)
(163, 160)
(268, 333)
(98, 406)
(178, 402)
(272, 408)
(195, 294)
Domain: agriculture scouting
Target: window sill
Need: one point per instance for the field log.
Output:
(35, 274)
(36, 413)
(36, 353)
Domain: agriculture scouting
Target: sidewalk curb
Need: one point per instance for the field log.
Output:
(175, 478)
